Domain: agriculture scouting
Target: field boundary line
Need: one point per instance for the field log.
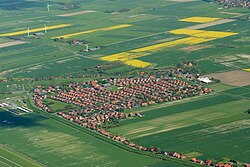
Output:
(76, 13)
(10, 161)
(5, 163)
(22, 155)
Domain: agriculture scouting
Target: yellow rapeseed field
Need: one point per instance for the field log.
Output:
(118, 57)
(94, 30)
(247, 69)
(203, 33)
(188, 41)
(126, 58)
(35, 30)
(137, 63)
(215, 34)
(160, 46)
(186, 31)
(195, 37)
(197, 40)
(199, 19)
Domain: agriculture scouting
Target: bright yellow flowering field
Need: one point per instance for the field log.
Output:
(199, 19)
(35, 30)
(195, 37)
(95, 30)
(247, 69)
(137, 63)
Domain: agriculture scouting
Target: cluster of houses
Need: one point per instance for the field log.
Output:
(130, 93)
(184, 72)
(96, 120)
(211, 163)
(235, 3)
(39, 102)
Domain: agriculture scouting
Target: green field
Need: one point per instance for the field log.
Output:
(55, 144)
(211, 126)
(9, 157)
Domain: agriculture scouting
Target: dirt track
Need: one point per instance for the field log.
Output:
(214, 23)
(3, 45)
(77, 13)
(195, 47)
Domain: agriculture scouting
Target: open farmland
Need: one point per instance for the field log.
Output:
(101, 28)
(95, 30)
(55, 144)
(34, 30)
(10, 157)
(197, 126)
(68, 56)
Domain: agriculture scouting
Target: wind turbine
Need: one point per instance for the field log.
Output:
(45, 28)
(28, 31)
(87, 47)
(48, 6)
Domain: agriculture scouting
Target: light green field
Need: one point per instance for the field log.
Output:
(9, 157)
(185, 119)
(4, 40)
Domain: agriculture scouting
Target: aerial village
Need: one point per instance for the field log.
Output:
(109, 99)
(234, 3)
(104, 103)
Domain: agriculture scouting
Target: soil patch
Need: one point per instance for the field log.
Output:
(235, 78)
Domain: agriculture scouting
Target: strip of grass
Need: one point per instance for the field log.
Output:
(239, 91)
(15, 159)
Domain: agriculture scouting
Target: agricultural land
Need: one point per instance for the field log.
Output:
(107, 83)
